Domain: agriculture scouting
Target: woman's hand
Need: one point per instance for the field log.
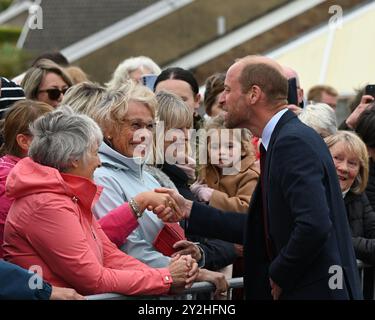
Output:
(59, 293)
(186, 247)
(184, 270)
(217, 278)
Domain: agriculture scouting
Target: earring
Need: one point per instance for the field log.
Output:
(109, 137)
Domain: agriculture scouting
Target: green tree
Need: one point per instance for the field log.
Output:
(13, 61)
(4, 4)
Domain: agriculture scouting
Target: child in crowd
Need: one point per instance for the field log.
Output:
(231, 190)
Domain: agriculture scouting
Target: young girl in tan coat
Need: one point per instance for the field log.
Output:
(229, 178)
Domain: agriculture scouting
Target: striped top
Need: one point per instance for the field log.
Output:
(9, 93)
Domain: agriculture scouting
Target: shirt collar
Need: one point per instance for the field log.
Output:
(270, 126)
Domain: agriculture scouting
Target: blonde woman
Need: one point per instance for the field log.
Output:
(84, 97)
(350, 156)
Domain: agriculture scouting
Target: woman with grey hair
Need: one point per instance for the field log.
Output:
(50, 224)
(321, 117)
(47, 82)
(132, 68)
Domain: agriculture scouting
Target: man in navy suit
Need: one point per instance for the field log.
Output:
(297, 241)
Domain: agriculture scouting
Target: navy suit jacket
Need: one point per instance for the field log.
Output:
(307, 222)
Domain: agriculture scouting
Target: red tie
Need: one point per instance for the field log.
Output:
(263, 155)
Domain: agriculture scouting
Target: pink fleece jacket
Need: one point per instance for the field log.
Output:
(6, 164)
(50, 225)
(117, 224)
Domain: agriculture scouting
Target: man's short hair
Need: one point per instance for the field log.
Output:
(315, 93)
(268, 78)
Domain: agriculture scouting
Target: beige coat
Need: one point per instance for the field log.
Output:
(233, 192)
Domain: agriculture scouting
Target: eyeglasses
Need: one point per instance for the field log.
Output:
(54, 93)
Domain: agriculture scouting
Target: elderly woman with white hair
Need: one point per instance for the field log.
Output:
(132, 68)
(126, 117)
(321, 117)
(50, 224)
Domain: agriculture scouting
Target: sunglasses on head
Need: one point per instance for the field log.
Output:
(54, 93)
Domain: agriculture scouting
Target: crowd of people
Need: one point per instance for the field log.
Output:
(103, 188)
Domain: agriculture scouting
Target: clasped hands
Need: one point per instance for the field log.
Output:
(184, 271)
(167, 204)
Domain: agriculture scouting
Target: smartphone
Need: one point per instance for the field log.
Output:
(148, 80)
(370, 90)
(292, 91)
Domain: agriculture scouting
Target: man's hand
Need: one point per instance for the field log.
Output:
(186, 247)
(182, 211)
(161, 202)
(275, 290)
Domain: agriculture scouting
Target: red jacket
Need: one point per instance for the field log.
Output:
(50, 225)
(117, 224)
(6, 164)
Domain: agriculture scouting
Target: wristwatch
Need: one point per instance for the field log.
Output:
(135, 208)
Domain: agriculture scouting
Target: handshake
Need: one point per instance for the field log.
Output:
(167, 204)
(170, 207)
